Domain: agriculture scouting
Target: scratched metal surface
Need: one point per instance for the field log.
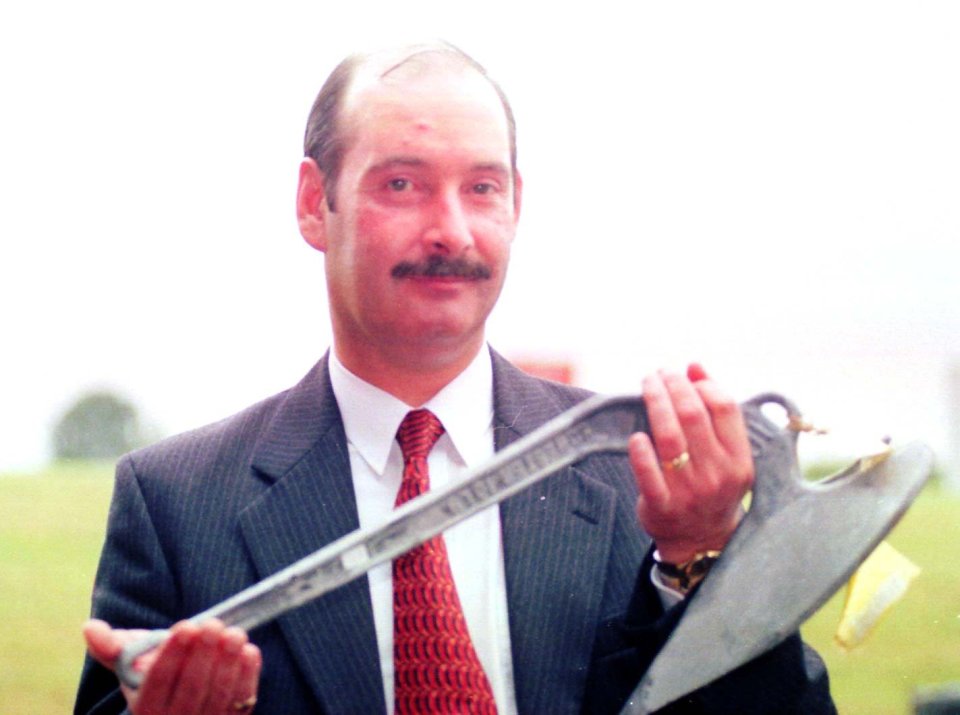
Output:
(798, 544)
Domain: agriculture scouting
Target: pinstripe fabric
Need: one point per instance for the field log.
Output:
(200, 516)
(571, 550)
(332, 639)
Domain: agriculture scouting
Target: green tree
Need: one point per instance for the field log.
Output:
(99, 425)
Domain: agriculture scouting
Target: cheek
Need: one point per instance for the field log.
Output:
(385, 235)
(494, 238)
(369, 222)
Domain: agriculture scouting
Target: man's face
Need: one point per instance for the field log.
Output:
(426, 210)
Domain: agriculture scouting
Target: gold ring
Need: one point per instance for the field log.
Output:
(240, 706)
(677, 463)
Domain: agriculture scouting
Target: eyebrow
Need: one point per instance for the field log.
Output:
(409, 161)
(494, 167)
(393, 161)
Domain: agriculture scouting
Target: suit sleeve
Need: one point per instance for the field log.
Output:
(789, 679)
(134, 587)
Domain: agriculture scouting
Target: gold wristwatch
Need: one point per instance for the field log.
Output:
(684, 576)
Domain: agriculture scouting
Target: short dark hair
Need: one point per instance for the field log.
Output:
(324, 140)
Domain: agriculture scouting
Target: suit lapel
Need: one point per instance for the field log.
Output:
(310, 503)
(557, 537)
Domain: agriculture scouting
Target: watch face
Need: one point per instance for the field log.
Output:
(700, 566)
(685, 576)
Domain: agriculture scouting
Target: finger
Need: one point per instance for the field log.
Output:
(696, 373)
(224, 680)
(162, 678)
(248, 682)
(193, 683)
(668, 437)
(728, 423)
(693, 418)
(651, 485)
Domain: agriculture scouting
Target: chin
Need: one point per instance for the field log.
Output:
(445, 335)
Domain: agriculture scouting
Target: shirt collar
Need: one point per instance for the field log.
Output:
(372, 416)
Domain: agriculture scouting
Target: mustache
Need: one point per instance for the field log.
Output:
(442, 267)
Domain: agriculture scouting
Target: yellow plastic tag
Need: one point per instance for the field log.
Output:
(880, 582)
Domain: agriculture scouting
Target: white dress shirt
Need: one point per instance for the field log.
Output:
(371, 418)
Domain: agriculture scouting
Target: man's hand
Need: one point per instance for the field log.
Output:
(692, 503)
(199, 669)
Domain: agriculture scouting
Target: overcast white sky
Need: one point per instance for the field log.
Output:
(770, 188)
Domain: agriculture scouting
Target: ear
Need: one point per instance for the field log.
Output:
(311, 205)
(517, 195)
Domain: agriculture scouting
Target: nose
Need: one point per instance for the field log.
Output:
(448, 229)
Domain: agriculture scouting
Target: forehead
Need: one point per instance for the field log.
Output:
(416, 106)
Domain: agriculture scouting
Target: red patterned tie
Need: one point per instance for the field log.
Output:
(437, 669)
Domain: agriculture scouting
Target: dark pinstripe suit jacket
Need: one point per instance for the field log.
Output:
(200, 516)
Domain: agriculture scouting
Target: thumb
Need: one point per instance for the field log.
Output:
(103, 643)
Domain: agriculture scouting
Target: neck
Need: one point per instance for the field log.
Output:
(412, 378)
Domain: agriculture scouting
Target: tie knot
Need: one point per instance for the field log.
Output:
(418, 432)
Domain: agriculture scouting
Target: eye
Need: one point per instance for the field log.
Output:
(483, 188)
(399, 185)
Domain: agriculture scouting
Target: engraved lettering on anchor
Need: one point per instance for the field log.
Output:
(544, 456)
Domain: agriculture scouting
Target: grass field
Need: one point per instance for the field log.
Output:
(51, 530)
(918, 642)
(51, 527)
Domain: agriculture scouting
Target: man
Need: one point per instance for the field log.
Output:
(410, 189)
